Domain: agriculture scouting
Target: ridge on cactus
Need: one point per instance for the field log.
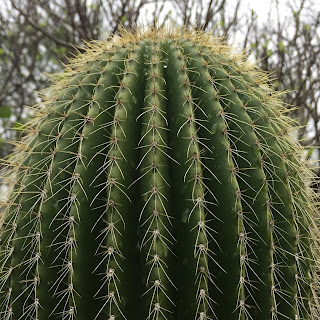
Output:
(158, 180)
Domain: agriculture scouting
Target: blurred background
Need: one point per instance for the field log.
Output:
(38, 36)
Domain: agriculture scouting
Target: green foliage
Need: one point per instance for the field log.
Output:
(159, 181)
(307, 27)
(281, 46)
(5, 111)
(123, 19)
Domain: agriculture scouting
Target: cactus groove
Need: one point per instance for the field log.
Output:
(158, 180)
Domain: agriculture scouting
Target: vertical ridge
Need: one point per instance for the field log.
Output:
(26, 231)
(55, 221)
(118, 253)
(190, 207)
(284, 245)
(253, 193)
(155, 226)
(228, 288)
(84, 223)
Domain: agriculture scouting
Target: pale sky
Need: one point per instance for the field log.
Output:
(261, 7)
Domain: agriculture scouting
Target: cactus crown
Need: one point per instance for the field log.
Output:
(158, 180)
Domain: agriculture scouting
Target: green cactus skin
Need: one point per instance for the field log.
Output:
(157, 181)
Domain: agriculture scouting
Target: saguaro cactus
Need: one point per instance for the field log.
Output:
(158, 180)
